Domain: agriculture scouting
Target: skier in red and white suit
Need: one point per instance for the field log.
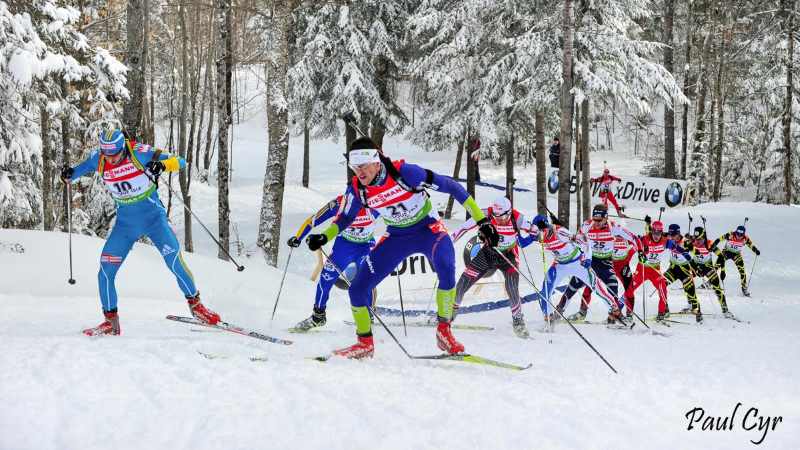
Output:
(605, 189)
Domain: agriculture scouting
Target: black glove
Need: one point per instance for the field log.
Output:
(642, 257)
(155, 167)
(316, 241)
(626, 271)
(488, 233)
(293, 242)
(647, 219)
(756, 251)
(66, 174)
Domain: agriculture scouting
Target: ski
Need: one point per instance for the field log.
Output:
(296, 330)
(224, 326)
(474, 359)
(455, 326)
(254, 358)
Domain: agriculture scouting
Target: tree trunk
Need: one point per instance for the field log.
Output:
(136, 57)
(269, 228)
(669, 109)
(224, 69)
(510, 168)
(577, 165)
(65, 160)
(719, 97)
(306, 153)
(585, 160)
(471, 163)
(456, 173)
(565, 161)
(48, 169)
(699, 172)
(349, 137)
(183, 180)
(541, 164)
(788, 169)
(687, 91)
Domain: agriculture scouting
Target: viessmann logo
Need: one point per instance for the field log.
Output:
(385, 196)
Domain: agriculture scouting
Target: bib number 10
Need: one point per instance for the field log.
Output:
(122, 187)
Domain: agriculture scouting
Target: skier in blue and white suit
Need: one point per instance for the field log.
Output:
(129, 171)
(349, 248)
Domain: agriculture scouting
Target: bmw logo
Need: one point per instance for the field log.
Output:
(552, 183)
(673, 195)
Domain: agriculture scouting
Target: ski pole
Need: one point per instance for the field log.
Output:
(751, 273)
(71, 280)
(402, 308)
(556, 309)
(660, 211)
(280, 288)
(689, 230)
(371, 309)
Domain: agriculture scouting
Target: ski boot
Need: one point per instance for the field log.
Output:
(364, 348)
(519, 327)
(200, 312)
(445, 339)
(661, 316)
(317, 319)
(698, 317)
(687, 310)
(728, 315)
(109, 326)
(578, 316)
(745, 291)
(614, 316)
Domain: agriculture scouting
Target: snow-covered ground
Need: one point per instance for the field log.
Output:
(149, 388)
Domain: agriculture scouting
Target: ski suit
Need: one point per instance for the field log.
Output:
(412, 227)
(567, 258)
(733, 250)
(649, 269)
(680, 268)
(606, 195)
(703, 264)
(139, 213)
(601, 241)
(349, 248)
(487, 257)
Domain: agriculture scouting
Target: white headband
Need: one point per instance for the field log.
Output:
(363, 156)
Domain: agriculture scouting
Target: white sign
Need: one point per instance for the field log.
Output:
(642, 191)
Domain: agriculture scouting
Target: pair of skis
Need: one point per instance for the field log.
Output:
(225, 326)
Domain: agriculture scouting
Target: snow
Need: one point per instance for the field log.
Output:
(149, 388)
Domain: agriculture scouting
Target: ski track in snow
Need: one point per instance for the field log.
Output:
(149, 388)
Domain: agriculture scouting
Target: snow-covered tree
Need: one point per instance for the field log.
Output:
(48, 71)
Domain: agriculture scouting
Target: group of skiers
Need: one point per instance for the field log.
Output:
(594, 258)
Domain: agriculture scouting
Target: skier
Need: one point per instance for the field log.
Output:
(569, 260)
(680, 268)
(397, 191)
(349, 248)
(599, 235)
(605, 190)
(129, 171)
(703, 265)
(734, 242)
(650, 248)
(508, 222)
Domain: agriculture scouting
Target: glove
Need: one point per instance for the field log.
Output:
(647, 219)
(316, 241)
(642, 257)
(488, 233)
(66, 174)
(586, 263)
(293, 242)
(155, 167)
(756, 251)
(626, 271)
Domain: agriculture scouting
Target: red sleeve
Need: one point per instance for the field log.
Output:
(613, 178)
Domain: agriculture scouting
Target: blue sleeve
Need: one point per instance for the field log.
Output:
(87, 166)
(326, 212)
(416, 176)
(526, 240)
(347, 213)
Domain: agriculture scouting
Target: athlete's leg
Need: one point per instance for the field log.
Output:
(116, 249)
(167, 244)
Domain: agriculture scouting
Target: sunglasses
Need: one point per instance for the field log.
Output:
(505, 214)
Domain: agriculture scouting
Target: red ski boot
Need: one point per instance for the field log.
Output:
(364, 348)
(446, 341)
(109, 326)
(200, 312)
